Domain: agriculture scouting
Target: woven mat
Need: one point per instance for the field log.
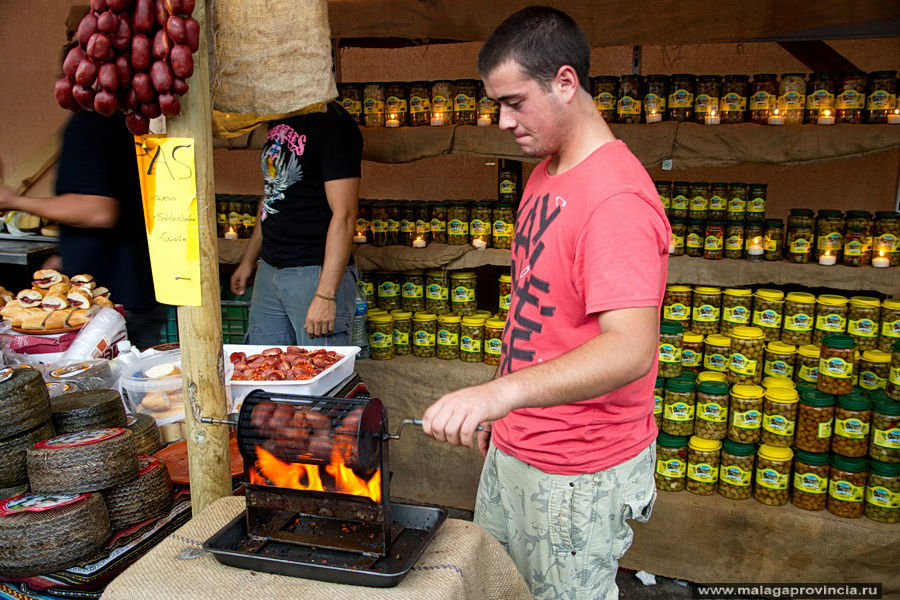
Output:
(463, 562)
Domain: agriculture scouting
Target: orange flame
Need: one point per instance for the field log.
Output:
(270, 470)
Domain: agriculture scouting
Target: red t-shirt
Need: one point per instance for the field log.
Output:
(592, 239)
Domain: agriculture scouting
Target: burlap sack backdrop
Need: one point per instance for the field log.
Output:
(272, 57)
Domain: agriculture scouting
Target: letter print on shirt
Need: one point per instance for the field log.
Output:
(280, 162)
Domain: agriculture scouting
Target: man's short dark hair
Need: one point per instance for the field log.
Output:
(541, 40)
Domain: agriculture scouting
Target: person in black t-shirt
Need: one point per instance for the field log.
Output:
(304, 286)
(98, 205)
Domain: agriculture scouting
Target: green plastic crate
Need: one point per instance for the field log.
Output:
(235, 316)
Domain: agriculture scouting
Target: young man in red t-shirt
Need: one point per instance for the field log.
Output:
(569, 426)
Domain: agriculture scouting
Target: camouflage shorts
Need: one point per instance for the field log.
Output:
(565, 533)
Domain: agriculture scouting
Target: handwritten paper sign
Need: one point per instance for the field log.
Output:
(169, 190)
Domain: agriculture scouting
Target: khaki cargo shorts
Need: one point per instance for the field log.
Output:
(565, 533)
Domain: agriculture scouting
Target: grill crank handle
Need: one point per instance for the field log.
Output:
(417, 423)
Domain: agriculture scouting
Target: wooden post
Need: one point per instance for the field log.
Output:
(200, 327)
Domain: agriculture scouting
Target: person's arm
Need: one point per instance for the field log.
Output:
(342, 196)
(245, 268)
(624, 352)
(77, 210)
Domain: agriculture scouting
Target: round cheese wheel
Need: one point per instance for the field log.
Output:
(93, 409)
(24, 400)
(146, 496)
(82, 462)
(13, 471)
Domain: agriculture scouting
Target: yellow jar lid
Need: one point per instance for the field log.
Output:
(738, 292)
(382, 318)
(472, 321)
(692, 338)
(400, 314)
(703, 445)
(782, 348)
(449, 318)
(876, 356)
(484, 313)
(376, 311)
(782, 395)
(891, 303)
(864, 302)
(832, 300)
(773, 382)
(435, 273)
(809, 351)
(495, 323)
(505, 279)
(745, 332)
(708, 290)
(711, 376)
(462, 275)
(717, 339)
(424, 316)
(776, 454)
(769, 294)
(746, 390)
(801, 298)
(678, 288)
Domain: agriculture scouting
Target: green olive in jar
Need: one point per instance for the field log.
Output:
(745, 361)
(463, 290)
(884, 444)
(503, 225)
(504, 295)
(745, 413)
(779, 417)
(768, 311)
(671, 335)
(381, 336)
(493, 341)
(882, 502)
(831, 316)
(815, 417)
(458, 223)
(679, 404)
(671, 462)
(710, 421)
(852, 423)
(890, 325)
(412, 294)
(716, 349)
(846, 486)
(736, 470)
(799, 317)
(658, 393)
(874, 370)
(837, 360)
(402, 331)
(773, 469)
(706, 310)
(424, 332)
(471, 339)
(780, 359)
(737, 306)
(677, 304)
(810, 484)
(447, 342)
(703, 466)
(807, 365)
(437, 292)
(862, 321)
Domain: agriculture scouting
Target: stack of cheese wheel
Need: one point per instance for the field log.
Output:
(24, 420)
(93, 409)
(146, 496)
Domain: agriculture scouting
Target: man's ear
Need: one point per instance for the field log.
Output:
(566, 82)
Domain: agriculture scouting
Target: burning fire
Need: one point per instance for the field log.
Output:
(270, 470)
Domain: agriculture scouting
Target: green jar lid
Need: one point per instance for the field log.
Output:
(716, 223)
(876, 467)
(886, 406)
(688, 376)
(671, 441)
(896, 346)
(812, 458)
(830, 212)
(877, 396)
(854, 465)
(775, 222)
(802, 212)
(737, 448)
(887, 214)
(854, 402)
(680, 385)
(805, 385)
(660, 381)
(857, 228)
(858, 214)
(838, 340)
(676, 221)
(813, 397)
(670, 327)
(715, 388)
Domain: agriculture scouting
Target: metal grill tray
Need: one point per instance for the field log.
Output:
(419, 523)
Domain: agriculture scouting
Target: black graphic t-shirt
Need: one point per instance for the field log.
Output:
(299, 156)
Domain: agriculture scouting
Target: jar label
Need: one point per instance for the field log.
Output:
(762, 100)
(772, 479)
(713, 242)
(878, 495)
(824, 430)
(393, 225)
(770, 244)
(469, 344)
(843, 490)
(681, 99)
(672, 468)
(810, 483)
(440, 104)
(703, 103)
(699, 203)
(734, 475)
(852, 428)
(767, 318)
(377, 339)
(853, 248)
(734, 242)
(464, 103)
(778, 425)
(502, 229)
(395, 104)
(628, 106)
(362, 225)
(870, 380)
(234, 218)
(407, 226)
(374, 107)
(435, 291)
(894, 376)
(792, 101)
(401, 338)
(447, 338)
(505, 301)
(890, 329)
(388, 289)
(679, 411)
(418, 105)
(493, 346)
(669, 353)
(742, 365)
(369, 289)
(887, 438)
(411, 290)
(732, 103)
(800, 246)
(715, 362)
(737, 205)
(850, 99)
(820, 99)
(703, 472)
(833, 241)
(479, 227)
(354, 107)
(798, 322)
(778, 368)
(605, 101)
(690, 358)
(706, 313)
(746, 420)
(694, 240)
(423, 338)
(438, 225)
(486, 106)
(712, 412)
(680, 201)
(835, 367)
(679, 241)
(457, 227)
(462, 293)
(654, 103)
(676, 312)
(887, 242)
(423, 226)
(665, 201)
(808, 374)
(756, 205)
(717, 202)
(221, 218)
(248, 220)
(379, 226)
(831, 322)
(657, 405)
(862, 328)
(881, 100)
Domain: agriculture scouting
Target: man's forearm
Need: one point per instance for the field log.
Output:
(77, 210)
(254, 244)
(338, 241)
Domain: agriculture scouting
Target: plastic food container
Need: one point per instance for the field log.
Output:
(152, 385)
(319, 385)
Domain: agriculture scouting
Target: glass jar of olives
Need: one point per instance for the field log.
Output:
(628, 105)
(831, 316)
(424, 334)
(745, 361)
(463, 292)
(681, 97)
(395, 104)
(852, 420)
(815, 415)
(773, 240)
(656, 95)
(373, 105)
(792, 97)
(458, 223)
(737, 306)
(605, 89)
(883, 492)
(504, 289)
(471, 335)
(680, 204)
(351, 98)
(677, 304)
(819, 96)
(837, 362)
(703, 466)
(671, 462)
(699, 201)
(779, 417)
(671, 335)
(810, 489)
(874, 370)
(693, 243)
(437, 292)
(862, 321)
(503, 225)
(419, 103)
(465, 101)
(692, 352)
(717, 209)
(493, 341)
(487, 108)
(768, 311)
(402, 330)
(773, 469)
(887, 236)
(890, 324)
(737, 203)
(734, 240)
(393, 224)
(447, 342)
(659, 390)
(679, 233)
(736, 469)
(438, 223)
(407, 229)
(480, 223)
(847, 486)
(716, 350)
(706, 309)
(884, 445)
(763, 97)
(807, 365)
(800, 235)
(388, 293)
(745, 414)
(756, 204)
(711, 421)
(856, 252)
(679, 405)
(780, 358)
(706, 102)
(829, 233)
(881, 95)
(412, 295)
(799, 316)
(714, 241)
(850, 97)
(423, 223)
(664, 190)
(381, 336)
(892, 390)
(733, 103)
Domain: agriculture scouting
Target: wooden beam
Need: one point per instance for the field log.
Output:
(819, 56)
(200, 327)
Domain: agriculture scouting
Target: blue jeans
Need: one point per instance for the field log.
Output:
(281, 298)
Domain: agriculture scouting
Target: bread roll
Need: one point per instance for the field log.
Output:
(10, 308)
(57, 319)
(44, 278)
(35, 318)
(84, 281)
(100, 292)
(54, 302)
(103, 301)
(31, 297)
(60, 288)
(77, 317)
(79, 298)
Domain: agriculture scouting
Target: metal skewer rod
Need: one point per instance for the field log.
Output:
(417, 423)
